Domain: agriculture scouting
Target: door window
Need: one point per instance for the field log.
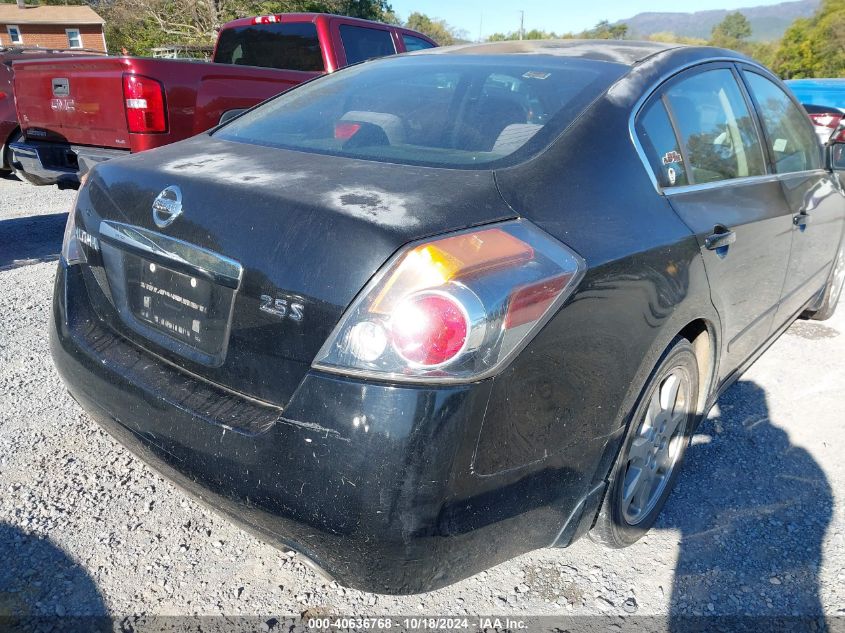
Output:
(415, 43)
(362, 43)
(661, 145)
(718, 135)
(789, 132)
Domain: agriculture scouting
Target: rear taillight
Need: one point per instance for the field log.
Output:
(145, 109)
(825, 123)
(77, 242)
(456, 308)
(838, 136)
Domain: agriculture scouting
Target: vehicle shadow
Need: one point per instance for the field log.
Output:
(30, 240)
(41, 586)
(752, 510)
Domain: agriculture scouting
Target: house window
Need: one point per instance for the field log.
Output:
(15, 34)
(74, 38)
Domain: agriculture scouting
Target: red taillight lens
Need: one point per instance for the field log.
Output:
(828, 119)
(454, 308)
(528, 303)
(429, 329)
(145, 109)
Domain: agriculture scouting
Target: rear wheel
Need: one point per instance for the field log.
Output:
(833, 290)
(7, 153)
(651, 455)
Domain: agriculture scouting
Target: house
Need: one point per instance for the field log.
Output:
(51, 26)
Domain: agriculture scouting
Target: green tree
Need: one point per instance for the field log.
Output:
(670, 38)
(814, 47)
(438, 30)
(141, 25)
(604, 30)
(379, 10)
(732, 31)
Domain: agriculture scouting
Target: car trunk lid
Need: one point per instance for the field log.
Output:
(292, 237)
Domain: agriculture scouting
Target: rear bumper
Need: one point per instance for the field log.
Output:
(370, 482)
(43, 163)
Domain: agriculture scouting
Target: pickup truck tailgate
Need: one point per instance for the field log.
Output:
(78, 101)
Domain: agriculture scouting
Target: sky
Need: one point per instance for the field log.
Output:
(561, 16)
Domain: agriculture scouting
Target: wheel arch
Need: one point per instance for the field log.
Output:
(701, 333)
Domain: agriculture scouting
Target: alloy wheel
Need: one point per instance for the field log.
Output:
(657, 446)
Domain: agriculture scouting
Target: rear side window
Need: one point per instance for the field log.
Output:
(718, 135)
(415, 43)
(789, 133)
(287, 46)
(361, 43)
(661, 145)
(444, 111)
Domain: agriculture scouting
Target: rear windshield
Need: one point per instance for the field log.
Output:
(361, 43)
(436, 110)
(288, 46)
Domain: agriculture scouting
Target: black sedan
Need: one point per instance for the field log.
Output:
(434, 311)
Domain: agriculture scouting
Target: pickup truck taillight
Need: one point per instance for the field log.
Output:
(145, 109)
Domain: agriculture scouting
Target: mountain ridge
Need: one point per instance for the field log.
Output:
(768, 22)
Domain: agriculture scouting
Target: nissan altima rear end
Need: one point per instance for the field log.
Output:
(400, 319)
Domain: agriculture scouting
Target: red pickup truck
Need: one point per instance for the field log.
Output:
(77, 112)
(9, 129)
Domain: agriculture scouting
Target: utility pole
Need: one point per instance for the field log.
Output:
(480, 25)
(521, 24)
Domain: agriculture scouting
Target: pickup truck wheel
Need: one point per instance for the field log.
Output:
(651, 456)
(7, 154)
(832, 291)
(7, 163)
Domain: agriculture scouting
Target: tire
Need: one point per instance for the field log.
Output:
(7, 153)
(21, 175)
(6, 162)
(652, 453)
(832, 291)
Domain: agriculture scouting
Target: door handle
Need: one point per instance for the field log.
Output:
(721, 238)
(801, 220)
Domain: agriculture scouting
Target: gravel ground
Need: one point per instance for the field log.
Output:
(755, 526)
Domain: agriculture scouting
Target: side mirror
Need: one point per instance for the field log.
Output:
(835, 156)
(835, 148)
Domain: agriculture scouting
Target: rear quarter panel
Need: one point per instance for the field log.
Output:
(570, 392)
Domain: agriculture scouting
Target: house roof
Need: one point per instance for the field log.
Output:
(51, 14)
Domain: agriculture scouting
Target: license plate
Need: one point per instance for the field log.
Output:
(174, 303)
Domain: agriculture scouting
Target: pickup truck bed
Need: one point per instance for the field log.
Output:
(9, 129)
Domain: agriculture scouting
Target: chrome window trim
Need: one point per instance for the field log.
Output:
(638, 106)
(740, 182)
(704, 186)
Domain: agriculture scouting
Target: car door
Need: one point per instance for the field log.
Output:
(704, 143)
(811, 192)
